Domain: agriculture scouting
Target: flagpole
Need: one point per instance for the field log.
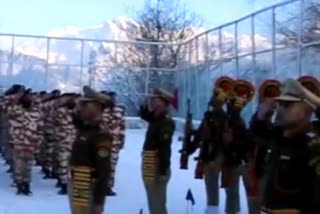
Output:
(187, 207)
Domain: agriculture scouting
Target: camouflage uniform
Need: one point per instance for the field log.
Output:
(25, 137)
(49, 136)
(66, 135)
(114, 123)
(12, 112)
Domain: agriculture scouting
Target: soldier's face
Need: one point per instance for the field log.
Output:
(291, 114)
(157, 104)
(91, 111)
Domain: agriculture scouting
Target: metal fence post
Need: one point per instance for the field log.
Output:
(220, 50)
(274, 57)
(147, 83)
(47, 64)
(236, 48)
(253, 40)
(10, 69)
(197, 77)
(300, 37)
(207, 64)
(81, 65)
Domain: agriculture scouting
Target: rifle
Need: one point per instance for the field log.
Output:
(202, 136)
(187, 139)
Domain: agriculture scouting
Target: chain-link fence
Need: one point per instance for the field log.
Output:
(277, 42)
(46, 63)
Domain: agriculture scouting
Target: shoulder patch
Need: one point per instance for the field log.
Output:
(318, 169)
(103, 153)
(311, 134)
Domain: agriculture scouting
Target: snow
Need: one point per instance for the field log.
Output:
(129, 187)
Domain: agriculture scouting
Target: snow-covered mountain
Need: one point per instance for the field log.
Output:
(65, 55)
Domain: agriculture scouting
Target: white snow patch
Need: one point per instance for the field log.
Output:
(129, 187)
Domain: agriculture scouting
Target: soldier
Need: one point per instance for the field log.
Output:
(157, 149)
(235, 144)
(313, 85)
(49, 135)
(26, 136)
(66, 134)
(90, 158)
(209, 137)
(114, 122)
(292, 178)
(10, 114)
(257, 150)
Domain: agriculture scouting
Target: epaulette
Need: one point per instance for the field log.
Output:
(311, 135)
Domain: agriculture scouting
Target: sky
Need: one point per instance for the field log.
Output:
(38, 17)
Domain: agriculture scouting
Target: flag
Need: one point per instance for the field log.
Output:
(190, 197)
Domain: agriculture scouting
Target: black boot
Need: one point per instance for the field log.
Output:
(47, 174)
(10, 170)
(110, 192)
(37, 162)
(26, 189)
(63, 190)
(58, 184)
(19, 189)
(54, 175)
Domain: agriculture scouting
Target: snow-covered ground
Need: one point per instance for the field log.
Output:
(129, 187)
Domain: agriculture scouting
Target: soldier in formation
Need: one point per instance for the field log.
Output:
(90, 164)
(156, 153)
(114, 122)
(39, 127)
(77, 139)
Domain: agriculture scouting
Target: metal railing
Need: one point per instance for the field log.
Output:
(269, 43)
(254, 47)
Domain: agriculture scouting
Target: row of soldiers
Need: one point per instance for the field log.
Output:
(40, 127)
(278, 155)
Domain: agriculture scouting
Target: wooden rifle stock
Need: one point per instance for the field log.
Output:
(187, 139)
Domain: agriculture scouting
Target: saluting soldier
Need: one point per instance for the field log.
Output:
(49, 134)
(28, 118)
(91, 153)
(157, 149)
(254, 174)
(66, 134)
(235, 143)
(313, 85)
(114, 122)
(209, 137)
(292, 178)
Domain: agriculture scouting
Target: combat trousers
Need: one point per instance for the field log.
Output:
(63, 157)
(114, 161)
(254, 202)
(23, 160)
(8, 151)
(49, 149)
(55, 161)
(212, 175)
(157, 193)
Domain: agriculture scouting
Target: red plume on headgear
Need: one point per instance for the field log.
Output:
(310, 83)
(243, 88)
(269, 89)
(225, 83)
(175, 100)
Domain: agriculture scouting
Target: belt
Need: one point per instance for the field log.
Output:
(282, 211)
